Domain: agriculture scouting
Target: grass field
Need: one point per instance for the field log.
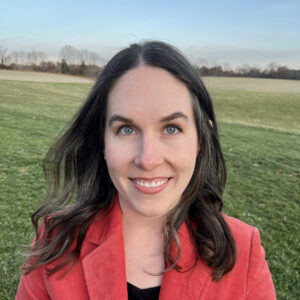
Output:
(41, 77)
(260, 135)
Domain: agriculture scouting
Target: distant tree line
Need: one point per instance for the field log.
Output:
(272, 71)
(73, 61)
(88, 63)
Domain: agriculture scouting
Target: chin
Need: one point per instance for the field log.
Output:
(153, 211)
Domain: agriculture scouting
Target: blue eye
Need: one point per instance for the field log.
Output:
(126, 131)
(172, 130)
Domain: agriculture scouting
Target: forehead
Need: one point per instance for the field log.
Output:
(148, 91)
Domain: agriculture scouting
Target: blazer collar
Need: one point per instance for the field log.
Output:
(104, 267)
(191, 281)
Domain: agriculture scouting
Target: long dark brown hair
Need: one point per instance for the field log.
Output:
(79, 186)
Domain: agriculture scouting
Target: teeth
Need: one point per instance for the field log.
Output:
(155, 183)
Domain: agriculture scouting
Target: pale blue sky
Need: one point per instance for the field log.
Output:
(229, 31)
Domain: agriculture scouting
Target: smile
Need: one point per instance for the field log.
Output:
(150, 185)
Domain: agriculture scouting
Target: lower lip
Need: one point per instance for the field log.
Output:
(150, 190)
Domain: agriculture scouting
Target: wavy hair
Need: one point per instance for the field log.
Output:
(79, 186)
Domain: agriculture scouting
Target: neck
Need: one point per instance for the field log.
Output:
(144, 228)
(136, 223)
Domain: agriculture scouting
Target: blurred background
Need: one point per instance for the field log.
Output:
(246, 52)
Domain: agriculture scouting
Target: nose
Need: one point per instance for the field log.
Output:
(149, 153)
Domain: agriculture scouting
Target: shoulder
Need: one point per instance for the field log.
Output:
(237, 225)
(247, 241)
(251, 266)
(247, 237)
(244, 235)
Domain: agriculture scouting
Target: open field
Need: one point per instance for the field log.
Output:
(266, 103)
(252, 84)
(260, 135)
(41, 77)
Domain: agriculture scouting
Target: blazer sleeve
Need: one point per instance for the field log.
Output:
(259, 280)
(32, 286)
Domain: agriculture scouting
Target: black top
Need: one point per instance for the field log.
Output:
(135, 293)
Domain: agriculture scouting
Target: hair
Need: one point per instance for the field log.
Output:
(79, 186)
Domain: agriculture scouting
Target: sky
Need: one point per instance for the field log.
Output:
(228, 33)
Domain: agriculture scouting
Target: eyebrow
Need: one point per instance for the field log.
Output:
(169, 118)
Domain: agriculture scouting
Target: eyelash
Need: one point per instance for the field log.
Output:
(123, 127)
(178, 128)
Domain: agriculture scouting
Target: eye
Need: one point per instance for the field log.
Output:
(172, 130)
(125, 130)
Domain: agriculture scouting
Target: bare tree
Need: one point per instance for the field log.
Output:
(69, 54)
(84, 56)
(226, 67)
(32, 57)
(9, 59)
(94, 58)
(22, 57)
(202, 62)
(41, 56)
(272, 68)
(74, 56)
(15, 57)
(3, 55)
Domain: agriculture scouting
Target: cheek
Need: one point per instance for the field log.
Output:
(112, 157)
(110, 152)
(188, 159)
(187, 153)
(117, 158)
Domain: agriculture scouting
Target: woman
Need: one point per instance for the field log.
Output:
(135, 195)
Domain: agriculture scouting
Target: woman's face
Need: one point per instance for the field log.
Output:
(150, 140)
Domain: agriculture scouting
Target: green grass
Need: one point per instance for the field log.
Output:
(279, 111)
(260, 139)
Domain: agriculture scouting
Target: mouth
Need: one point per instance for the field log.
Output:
(150, 182)
(150, 185)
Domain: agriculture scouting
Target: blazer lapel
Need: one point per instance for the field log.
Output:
(191, 284)
(104, 267)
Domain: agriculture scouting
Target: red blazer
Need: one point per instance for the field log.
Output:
(100, 272)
